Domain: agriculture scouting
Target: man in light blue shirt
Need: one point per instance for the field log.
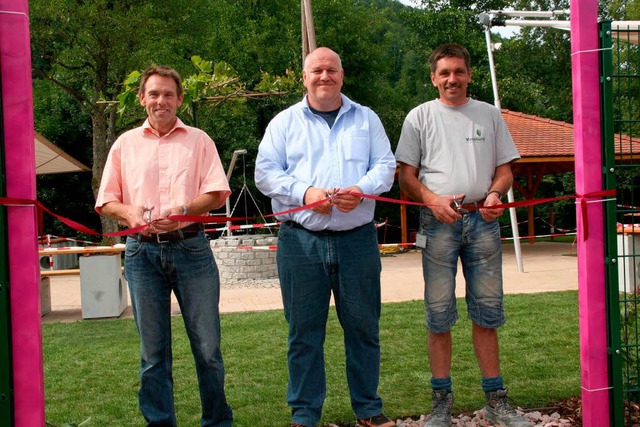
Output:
(322, 149)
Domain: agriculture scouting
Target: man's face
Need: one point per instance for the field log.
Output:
(451, 78)
(161, 100)
(323, 76)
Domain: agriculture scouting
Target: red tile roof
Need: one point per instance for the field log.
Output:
(539, 137)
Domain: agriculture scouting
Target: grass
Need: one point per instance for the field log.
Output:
(91, 367)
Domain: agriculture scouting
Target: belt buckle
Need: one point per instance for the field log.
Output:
(457, 206)
(158, 237)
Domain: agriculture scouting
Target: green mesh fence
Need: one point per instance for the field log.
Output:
(620, 70)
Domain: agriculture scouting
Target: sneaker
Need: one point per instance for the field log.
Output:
(379, 420)
(442, 401)
(498, 410)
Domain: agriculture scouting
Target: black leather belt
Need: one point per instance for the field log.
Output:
(321, 232)
(171, 236)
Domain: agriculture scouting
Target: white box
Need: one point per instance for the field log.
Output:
(103, 289)
(628, 262)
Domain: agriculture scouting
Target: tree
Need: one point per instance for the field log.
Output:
(85, 48)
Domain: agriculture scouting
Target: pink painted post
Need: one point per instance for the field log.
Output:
(588, 166)
(24, 275)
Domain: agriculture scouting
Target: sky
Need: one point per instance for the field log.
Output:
(504, 31)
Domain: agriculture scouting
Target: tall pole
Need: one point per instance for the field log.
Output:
(510, 198)
(308, 28)
(234, 157)
(591, 253)
(23, 268)
(6, 386)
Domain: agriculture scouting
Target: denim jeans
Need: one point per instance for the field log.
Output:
(312, 265)
(477, 244)
(187, 268)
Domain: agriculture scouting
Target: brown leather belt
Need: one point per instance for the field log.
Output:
(172, 236)
(471, 207)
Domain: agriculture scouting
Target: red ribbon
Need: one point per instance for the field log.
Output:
(582, 198)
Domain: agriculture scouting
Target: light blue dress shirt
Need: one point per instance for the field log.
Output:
(299, 151)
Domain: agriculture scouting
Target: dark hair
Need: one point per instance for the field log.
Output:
(163, 71)
(449, 50)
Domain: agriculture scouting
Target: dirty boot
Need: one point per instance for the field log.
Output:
(442, 401)
(498, 410)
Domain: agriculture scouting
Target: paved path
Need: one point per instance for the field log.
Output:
(548, 266)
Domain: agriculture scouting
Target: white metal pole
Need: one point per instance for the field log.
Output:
(510, 198)
(235, 155)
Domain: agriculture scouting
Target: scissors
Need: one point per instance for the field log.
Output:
(146, 213)
(457, 205)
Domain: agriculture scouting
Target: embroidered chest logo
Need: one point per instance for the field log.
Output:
(478, 135)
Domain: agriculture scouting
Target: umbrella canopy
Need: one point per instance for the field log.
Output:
(52, 159)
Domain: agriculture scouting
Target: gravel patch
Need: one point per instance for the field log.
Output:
(537, 418)
(249, 283)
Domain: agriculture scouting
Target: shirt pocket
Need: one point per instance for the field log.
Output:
(356, 146)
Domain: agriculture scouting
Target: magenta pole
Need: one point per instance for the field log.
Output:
(588, 167)
(24, 275)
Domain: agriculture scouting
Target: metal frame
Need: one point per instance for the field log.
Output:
(610, 219)
(6, 376)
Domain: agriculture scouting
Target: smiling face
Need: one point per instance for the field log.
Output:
(451, 77)
(161, 100)
(323, 76)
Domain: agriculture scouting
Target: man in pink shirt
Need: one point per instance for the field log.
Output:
(160, 169)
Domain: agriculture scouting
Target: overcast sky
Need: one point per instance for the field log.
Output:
(504, 31)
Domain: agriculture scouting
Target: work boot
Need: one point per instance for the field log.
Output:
(442, 401)
(379, 420)
(498, 410)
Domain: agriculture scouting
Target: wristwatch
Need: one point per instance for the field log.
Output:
(494, 191)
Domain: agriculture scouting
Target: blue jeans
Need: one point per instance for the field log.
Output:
(187, 268)
(312, 265)
(477, 244)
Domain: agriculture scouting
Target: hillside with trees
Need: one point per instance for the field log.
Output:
(84, 50)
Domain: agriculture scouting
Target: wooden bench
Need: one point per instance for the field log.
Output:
(50, 273)
(68, 272)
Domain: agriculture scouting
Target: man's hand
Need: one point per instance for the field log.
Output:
(346, 202)
(491, 214)
(442, 209)
(164, 224)
(313, 195)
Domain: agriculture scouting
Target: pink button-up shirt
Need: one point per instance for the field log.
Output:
(144, 168)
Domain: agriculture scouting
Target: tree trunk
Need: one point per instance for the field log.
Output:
(103, 137)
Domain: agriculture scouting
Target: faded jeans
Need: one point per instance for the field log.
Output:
(186, 267)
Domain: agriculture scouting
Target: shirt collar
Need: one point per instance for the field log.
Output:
(346, 104)
(146, 126)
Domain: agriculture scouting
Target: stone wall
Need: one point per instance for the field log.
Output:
(246, 257)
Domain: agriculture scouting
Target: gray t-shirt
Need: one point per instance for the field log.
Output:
(457, 149)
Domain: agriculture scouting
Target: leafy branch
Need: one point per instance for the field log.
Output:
(213, 83)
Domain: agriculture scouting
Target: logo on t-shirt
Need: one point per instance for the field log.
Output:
(478, 135)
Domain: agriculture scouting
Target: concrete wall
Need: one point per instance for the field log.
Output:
(245, 257)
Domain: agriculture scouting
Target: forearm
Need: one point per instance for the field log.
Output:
(206, 202)
(411, 185)
(502, 180)
(127, 215)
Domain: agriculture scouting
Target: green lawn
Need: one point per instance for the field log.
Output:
(91, 367)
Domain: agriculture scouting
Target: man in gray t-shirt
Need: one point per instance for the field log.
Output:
(455, 155)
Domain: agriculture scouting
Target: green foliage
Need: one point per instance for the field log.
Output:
(89, 49)
(629, 321)
(213, 83)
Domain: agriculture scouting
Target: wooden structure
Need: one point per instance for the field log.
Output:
(546, 147)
